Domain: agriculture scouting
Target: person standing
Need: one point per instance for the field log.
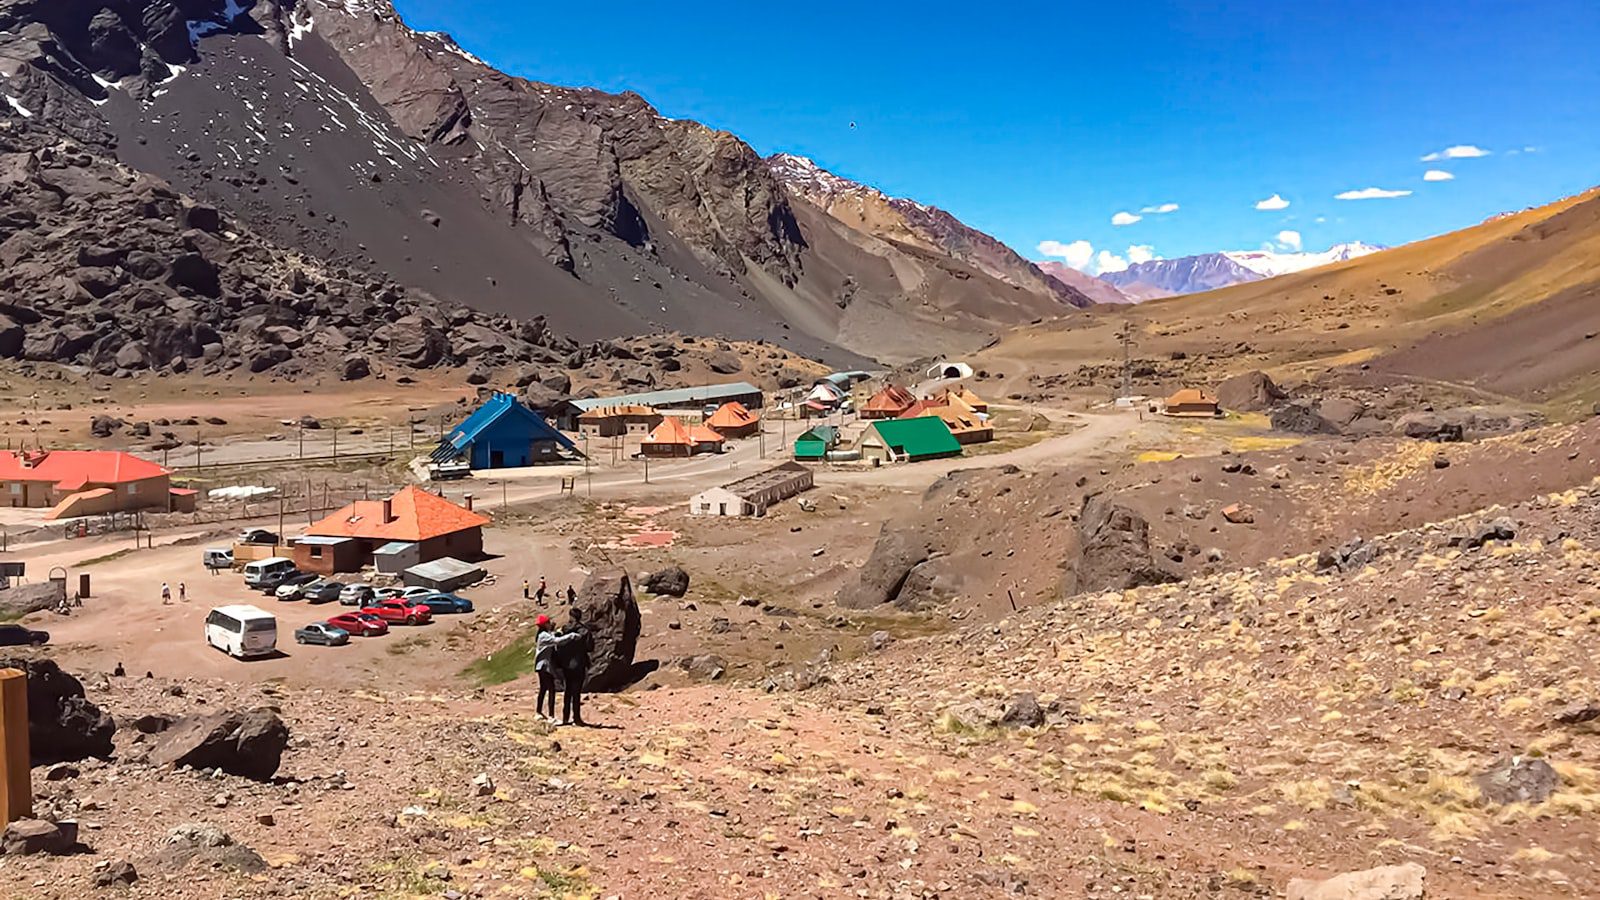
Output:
(542, 592)
(183, 592)
(572, 595)
(547, 645)
(574, 658)
(166, 594)
(524, 588)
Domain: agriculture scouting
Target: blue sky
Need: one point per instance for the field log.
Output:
(1040, 122)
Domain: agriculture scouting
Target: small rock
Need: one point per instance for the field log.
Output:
(116, 873)
(26, 837)
(1518, 779)
(1022, 711)
(483, 785)
(1404, 882)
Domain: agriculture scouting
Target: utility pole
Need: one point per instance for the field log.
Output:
(302, 431)
(1127, 359)
(335, 442)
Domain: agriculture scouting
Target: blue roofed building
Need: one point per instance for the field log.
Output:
(501, 434)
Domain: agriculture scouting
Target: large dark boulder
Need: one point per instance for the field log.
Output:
(904, 571)
(416, 342)
(1250, 392)
(1302, 418)
(612, 614)
(248, 743)
(1114, 552)
(30, 837)
(196, 273)
(672, 581)
(1518, 779)
(12, 338)
(63, 726)
(1430, 427)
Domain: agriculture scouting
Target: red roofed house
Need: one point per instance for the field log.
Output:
(87, 482)
(888, 403)
(345, 541)
(732, 420)
(673, 438)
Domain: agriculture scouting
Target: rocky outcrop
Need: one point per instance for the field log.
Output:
(1518, 779)
(248, 743)
(902, 571)
(1302, 418)
(672, 581)
(21, 599)
(612, 614)
(1115, 550)
(63, 725)
(1250, 392)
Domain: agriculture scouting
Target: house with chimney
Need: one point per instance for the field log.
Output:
(413, 524)
(76, 483)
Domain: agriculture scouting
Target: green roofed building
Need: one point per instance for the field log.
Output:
(815, 444)
(908, 440)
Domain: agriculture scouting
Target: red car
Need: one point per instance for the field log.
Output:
(396, 611)
(361, 623)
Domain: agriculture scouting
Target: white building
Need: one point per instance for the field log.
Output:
(753, 495)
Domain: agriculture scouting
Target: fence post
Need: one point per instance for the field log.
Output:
(16, 777)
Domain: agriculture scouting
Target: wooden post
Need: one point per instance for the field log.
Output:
(16, 776)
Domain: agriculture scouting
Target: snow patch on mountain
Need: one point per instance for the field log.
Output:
(1272, 263)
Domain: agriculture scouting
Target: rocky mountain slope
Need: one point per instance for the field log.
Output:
(331, 128)
(1096, 289)
(904, 221)
(1183, 275)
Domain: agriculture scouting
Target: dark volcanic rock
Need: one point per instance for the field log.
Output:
(612, 614)
(28, 837)
(242, 743)
(63, 726)
(1518, 779)
(1250, 392)
(1115, 550)
(672, 581)
(1301, 418)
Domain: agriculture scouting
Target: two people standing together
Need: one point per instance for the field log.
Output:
(566, 652)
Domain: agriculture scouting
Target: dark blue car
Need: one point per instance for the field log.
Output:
(443, 603)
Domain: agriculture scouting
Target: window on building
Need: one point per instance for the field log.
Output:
(316, 552)
(16, 487)
(133, 488)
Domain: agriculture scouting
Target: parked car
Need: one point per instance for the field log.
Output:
(322, 591)
(441, 602)
(18, 636)
(357, 594)
(294, 586)
(396, 612)
(321, 633)
(359, 623)
(412, 593)
(258, 536)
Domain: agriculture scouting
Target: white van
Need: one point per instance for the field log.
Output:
(242, 631)
(266, 573)
(216, 558)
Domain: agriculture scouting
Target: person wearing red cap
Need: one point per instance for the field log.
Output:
(544, 661)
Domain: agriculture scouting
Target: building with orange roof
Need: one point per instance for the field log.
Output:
(960, 396)
(967, 426)
(87, 482)
(622, 419)
(673, 438)
(888, 403)
(1192, 403)
(346, 540)
(733, 420)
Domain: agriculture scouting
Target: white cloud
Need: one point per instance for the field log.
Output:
(1320, 219)
(1371, 193)
(1275, 202)
(1125, 218)
(1106, 261)
(1459, 151)
(1437, 175)
(1082, 256)
(1160, 210)
(1076, 254)
(1290, 240)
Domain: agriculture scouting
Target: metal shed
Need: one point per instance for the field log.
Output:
(446, 574)
(395, 557)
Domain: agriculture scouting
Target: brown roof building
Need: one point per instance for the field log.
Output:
(345, 541)
(888, 403)
(1192, 403)
(612, 421)
(733, 420)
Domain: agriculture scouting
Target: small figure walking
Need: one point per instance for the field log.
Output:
(183, 593)
(572, 595)
(540, 594)
(166, 594)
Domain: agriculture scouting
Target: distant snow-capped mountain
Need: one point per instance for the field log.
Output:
(1270, 264)
(1210, 271)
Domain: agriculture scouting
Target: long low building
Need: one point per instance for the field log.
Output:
(753, 495)
(566, 413)
(88, 482)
